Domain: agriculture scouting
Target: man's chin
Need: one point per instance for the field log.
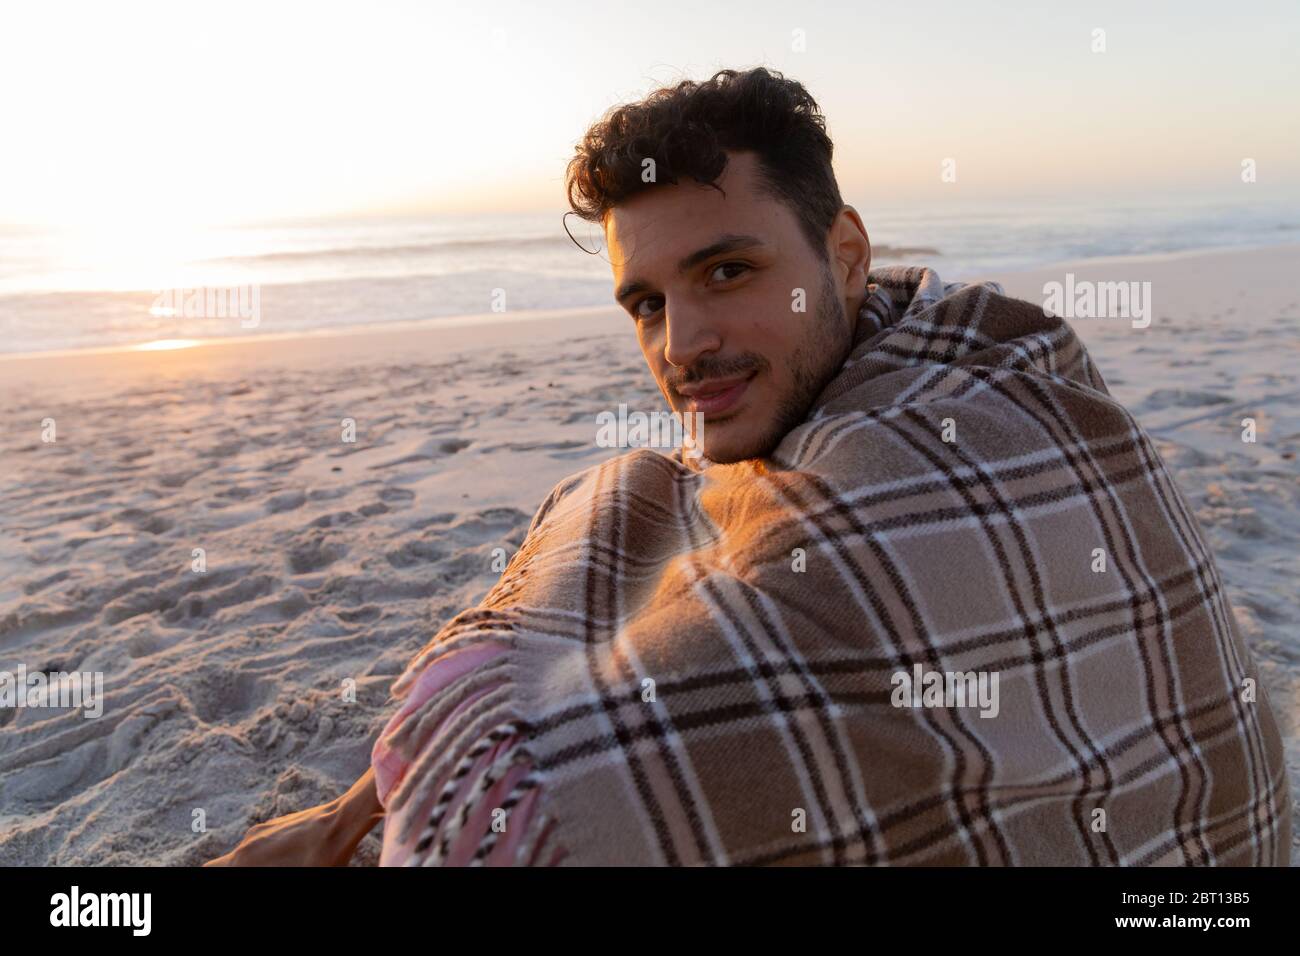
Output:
(726, 446)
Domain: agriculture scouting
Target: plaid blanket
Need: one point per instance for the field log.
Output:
(962, 615)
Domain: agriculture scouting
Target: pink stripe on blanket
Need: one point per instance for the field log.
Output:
(391, 768)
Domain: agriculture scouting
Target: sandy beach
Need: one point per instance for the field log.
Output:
(256, 686)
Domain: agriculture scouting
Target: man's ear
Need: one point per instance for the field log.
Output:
(851, 247)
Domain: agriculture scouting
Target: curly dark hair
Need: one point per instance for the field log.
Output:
(686, 129)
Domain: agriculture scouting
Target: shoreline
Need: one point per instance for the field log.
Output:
(474, 320)
(1155, 258)
(590, 317)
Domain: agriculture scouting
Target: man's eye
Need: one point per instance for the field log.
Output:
(724, 265)
(636, 311)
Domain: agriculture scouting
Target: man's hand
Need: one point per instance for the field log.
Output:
(325, 835)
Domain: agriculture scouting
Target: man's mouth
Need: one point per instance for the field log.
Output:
(716, 396)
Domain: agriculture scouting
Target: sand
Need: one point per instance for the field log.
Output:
(255, 687)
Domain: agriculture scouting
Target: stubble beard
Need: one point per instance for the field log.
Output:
(814, 365)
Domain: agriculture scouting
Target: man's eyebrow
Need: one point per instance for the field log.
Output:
(731, 242)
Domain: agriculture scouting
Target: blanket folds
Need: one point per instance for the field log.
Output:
(961, 615)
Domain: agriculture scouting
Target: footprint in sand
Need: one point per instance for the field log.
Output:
(144, 521)
(286, 501)
(392, 495)
(335, 519)
(313, 553)
(415, 552)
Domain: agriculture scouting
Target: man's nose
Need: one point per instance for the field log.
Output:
(691, 332)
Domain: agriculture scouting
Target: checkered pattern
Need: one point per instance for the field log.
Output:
(700, 663)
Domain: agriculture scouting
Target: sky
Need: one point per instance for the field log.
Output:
(197, 112)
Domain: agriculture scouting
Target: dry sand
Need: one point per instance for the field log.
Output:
(329, 563)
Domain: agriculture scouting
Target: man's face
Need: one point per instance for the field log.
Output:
(710, 282)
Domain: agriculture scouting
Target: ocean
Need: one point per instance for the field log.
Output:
(129, 286)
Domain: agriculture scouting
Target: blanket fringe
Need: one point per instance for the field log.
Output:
(465, 630)
(526, 784)
(465, 732)
(487, 779)
(462, 769)
(425, 719)
(531, 845)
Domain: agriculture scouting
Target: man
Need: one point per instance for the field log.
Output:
(929, 597)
